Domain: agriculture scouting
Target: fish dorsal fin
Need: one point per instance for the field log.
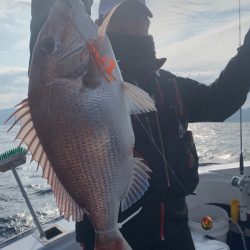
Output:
(139, 184)
(102, 29)
(27, 134)
(138, 101)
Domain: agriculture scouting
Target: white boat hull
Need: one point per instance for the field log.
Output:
(214, 187)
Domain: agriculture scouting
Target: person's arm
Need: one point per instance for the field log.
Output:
(39, 14)
(225, 96)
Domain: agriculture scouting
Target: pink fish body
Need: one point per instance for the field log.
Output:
(76, 122)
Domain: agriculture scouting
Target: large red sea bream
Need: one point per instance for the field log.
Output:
(76, 122)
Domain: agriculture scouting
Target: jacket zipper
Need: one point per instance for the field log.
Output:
(162, 149)
(162, 205)
(162, 220)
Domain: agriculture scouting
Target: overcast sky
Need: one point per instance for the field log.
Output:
(198, 38)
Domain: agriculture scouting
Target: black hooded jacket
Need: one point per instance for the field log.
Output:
(162, 139)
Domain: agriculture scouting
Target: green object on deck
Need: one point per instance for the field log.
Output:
(9, 161)
(12, 152)
(12, 158)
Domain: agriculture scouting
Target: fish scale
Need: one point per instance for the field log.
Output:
(92, 161)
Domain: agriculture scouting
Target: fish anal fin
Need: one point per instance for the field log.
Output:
(28, 135)
(139, 184)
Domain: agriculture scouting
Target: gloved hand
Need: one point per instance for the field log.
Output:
(245, 48)
(247, 40)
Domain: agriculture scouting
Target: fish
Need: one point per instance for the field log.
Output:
(76, 122)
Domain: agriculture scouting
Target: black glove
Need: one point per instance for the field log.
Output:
(247, 40)
(245, 48)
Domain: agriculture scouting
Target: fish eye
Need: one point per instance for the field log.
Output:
(48, 45)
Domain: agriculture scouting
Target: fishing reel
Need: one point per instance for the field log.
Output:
(242, 182)
(207, 223)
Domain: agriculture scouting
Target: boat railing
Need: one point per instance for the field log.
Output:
(9, 161)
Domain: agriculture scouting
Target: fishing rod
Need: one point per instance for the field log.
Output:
(241, 148)
(242, 182)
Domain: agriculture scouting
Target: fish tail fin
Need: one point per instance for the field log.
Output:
(111, 240)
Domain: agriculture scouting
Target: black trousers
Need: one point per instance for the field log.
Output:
(184, 243)
(143, 231)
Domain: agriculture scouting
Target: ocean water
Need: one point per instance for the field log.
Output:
(215, 142)
(14, 215)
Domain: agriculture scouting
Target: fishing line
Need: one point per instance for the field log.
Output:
(162, 147)
(239, 22)
(161, 154)
(238, 227)
(150, 136)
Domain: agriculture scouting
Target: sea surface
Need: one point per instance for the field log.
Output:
(215, 142)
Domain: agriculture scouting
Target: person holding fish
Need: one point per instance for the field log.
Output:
(162, 138)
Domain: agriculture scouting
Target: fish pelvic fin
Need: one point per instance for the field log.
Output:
(28, 135)
(138, 101)
(111, 240)
(139, 184)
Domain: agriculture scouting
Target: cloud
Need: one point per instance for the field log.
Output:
(22, 44)
(174, 20)
(206, 76)
(13, 85)
(11, 70)
(10, 7)
(3, 52)
(14, 17)
(197, 37)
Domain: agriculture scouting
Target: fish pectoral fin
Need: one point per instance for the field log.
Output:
(138, 101)
(28, 135)
(139, 184)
